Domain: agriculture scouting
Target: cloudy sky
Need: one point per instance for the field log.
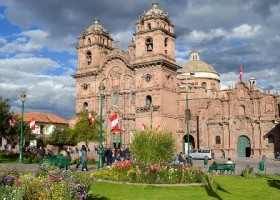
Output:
(38, 42)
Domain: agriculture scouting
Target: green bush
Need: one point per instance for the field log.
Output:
(152, 146)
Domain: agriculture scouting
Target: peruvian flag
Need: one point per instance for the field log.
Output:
(122, 130)
(32, 124)
(12, 122)
(240, 72)
(90, 118)
(114, 122)
(143, 127)
(158, 127)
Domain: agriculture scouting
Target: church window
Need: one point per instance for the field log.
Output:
(89, 41)
(149, 44)
(85, 86)
(148, 78)
(116, 98)
(149, 26)
(89, 57)
(203, 84)
(270, 139)
(165, 42)
(165, 51)
(85, 106)
(148, 101)
(218, 140)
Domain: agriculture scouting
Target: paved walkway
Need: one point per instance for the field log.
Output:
(272, 166)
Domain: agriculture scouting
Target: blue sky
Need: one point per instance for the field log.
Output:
(38, 42)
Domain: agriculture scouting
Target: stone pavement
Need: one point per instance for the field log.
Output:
(272, 166)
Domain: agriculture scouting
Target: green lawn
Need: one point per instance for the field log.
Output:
(224, 187)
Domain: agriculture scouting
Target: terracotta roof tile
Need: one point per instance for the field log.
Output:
(44, 118)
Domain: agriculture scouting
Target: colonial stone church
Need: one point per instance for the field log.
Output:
(146, 88)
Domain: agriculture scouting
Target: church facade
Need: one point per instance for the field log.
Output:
(146, 88)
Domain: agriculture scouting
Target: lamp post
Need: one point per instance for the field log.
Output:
(102, 91)
(22, 99)
(188, 123)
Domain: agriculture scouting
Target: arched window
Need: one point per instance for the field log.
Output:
(149, 26)
(270, 139)
(89, 57)
(116, 98)
(89, 41)
(148, 101)
(85, 106)
(149, 44)
(218, 140)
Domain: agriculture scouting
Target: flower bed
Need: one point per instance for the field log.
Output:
(47, 183)
(153, 174)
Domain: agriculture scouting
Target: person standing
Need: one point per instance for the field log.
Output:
(80, 157)
(84, 159)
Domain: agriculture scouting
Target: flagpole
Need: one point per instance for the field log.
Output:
(120, 132)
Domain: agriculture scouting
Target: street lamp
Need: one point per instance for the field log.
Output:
(188, 122)
(102, 92)
(22, 99)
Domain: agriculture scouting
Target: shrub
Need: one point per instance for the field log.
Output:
(153, 146)
(248, 172)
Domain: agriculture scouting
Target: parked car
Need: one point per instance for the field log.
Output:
(201, 154)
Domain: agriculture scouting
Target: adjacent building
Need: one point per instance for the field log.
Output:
(146, 87)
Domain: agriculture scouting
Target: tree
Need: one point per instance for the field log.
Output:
(5, 116)
(12, 134)
(152, 146)
(83, 132)
(60, 137)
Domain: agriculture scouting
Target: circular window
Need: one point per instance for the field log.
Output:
(148, 78)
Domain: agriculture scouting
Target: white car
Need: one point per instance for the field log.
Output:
(201, 154)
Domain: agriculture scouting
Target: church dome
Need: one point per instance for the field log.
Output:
(95, 27)
(196, 65)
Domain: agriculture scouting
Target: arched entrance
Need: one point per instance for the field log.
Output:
(185, 145)
(243, 146)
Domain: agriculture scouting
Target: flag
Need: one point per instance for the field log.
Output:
(122, 130)
(114, 122)
(12, 122)
(143, 127)
(90, 118)
(158, 127)
(240, 72)
(32, 124)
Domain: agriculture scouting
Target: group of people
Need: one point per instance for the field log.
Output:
(116, 155)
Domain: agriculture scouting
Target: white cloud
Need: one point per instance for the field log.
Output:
(33, 64)
(245, 31)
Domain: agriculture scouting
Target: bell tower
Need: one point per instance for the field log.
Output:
(154, 35)
(153, 59)
(93, 43)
